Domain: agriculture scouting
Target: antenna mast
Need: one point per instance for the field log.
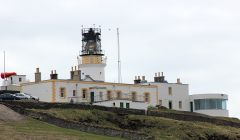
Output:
(119, 62)
(4, 65)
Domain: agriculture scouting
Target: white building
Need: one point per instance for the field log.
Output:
(209, 104)
(87, 85)
(56, 90)
(12, 83)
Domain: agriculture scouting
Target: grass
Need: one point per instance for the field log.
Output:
(168, 129)
(97, 117)
(161, 128)
(36, 130)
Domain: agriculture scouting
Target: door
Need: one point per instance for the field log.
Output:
(127, 105)
(92, 97)
(170, 104)
(121, 104)
(191, 106)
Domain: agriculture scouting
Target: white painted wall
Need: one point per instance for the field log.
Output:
(215, 112)
(100, 87)
(132, 105)
(180, 92)
(41, 90)
(16, 80)
(95, 71)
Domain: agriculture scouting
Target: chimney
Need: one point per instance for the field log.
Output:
(75, 74)
(38, 75)
(71, 74)
(159, 78)
(137, 80)
(179, 81)
(53, 75)
(143, 78)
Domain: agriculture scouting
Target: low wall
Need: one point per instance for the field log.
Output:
(43, 105)
(187, 116)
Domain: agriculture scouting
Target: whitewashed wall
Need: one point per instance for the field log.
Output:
(41, 90)
(132, 105)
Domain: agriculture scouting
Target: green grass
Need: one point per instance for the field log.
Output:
(168, 129)
(161, 128)
(37, 130)
(97, 117)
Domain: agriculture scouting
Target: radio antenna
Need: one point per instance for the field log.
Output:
(119, 62)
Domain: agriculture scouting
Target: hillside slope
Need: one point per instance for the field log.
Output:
(17, 127)
(159, 124)
(160, 127)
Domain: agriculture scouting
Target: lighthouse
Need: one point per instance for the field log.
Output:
(92, 61)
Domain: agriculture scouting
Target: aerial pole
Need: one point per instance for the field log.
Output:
(119, 62)
(4, 67)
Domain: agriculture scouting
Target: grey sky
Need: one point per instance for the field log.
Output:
(196, 40)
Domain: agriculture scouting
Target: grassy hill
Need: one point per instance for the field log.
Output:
(160, 127)
(30, 129)
(163, 124)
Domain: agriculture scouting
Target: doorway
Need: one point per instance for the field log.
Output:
(92, 97)
(170, 104)
(191, 106)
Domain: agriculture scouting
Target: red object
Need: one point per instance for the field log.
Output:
(7, 74)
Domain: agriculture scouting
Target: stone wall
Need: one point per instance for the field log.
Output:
(187, 116)
(43, 105)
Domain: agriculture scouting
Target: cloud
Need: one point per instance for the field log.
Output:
(197, 41)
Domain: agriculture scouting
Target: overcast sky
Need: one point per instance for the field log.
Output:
(195, 40)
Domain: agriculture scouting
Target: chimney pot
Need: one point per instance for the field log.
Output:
(178, 81)
(55, 72)
(37, 70)
(162, 73)
(135, 77)
(139, 78)
(155, 74)
(143, 78)
(158, 74)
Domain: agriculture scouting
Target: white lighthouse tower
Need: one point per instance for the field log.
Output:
(91, 61)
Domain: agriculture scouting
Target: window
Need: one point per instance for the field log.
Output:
(119, 95)
(180, 104)
(121, 104)
(74, 92)
(109, 95)
(114, 104)
(160, 102)
(127, 105)
(169, 90)
(101, 96)
(84, 93)
(20, 79)
(203, 104)
(134, 96)
(62, 92)
(146, 97)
